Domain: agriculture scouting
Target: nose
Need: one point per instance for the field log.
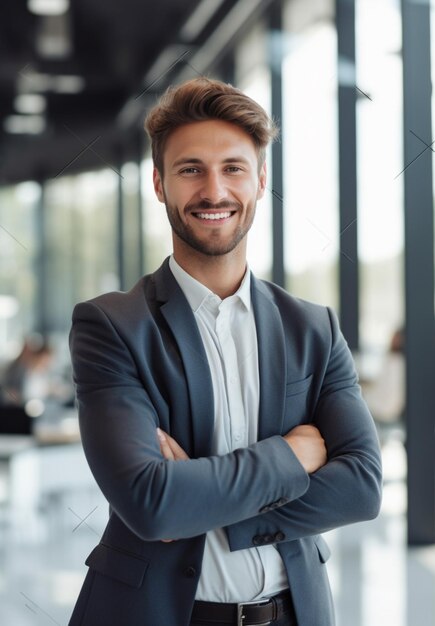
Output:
(213, 189)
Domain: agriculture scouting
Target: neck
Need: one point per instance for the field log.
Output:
(222, 274)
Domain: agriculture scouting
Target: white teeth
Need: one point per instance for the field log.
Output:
(214, 216)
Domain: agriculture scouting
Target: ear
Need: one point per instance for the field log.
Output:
(158, 185)
(262, 181)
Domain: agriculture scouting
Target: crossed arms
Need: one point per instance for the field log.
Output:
(269, 484)
(305, 440)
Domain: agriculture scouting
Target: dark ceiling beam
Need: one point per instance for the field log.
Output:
(97, 114)
(72, 151)
(231, 29)
(186, 60)
(113, 46)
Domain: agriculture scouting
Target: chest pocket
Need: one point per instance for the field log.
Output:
(297, 410)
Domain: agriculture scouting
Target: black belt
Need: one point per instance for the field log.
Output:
(257, 613)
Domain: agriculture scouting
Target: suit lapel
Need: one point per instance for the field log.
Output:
(182, 323)
(271, 361)
(271, 357)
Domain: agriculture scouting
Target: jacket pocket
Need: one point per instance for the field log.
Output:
(293, 388)
(297, 403)
(323, 548)
(122, 566)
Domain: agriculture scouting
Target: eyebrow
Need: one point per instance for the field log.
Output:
(195, 160)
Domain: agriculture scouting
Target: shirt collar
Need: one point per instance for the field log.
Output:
(196, 293)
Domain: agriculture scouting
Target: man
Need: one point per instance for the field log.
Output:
(220, 416)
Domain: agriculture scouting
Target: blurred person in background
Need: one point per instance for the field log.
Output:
(385, 393)
(34, 374)
(27, 375)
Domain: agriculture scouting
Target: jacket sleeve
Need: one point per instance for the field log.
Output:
(156, 498)
(345, 490)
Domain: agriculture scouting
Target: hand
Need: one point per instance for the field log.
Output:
(170, 448)
(308, 445)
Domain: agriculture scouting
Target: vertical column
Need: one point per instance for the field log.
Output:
(227, 68)
(42, 292)
(275, 62)
(419, 272)
(348, 267)
(140, 208)
(120, 228)
(77, 264)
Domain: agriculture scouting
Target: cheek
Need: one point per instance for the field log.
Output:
(176, 200)
(180, 194)
(254, 186)
(245, 192)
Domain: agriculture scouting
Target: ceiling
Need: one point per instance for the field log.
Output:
(85, 77)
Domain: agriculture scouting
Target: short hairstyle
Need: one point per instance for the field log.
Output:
(202, 99)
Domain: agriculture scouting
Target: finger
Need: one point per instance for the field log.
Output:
(176, 449)
(165, 448)
(167, 540)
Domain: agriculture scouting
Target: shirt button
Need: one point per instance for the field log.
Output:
(190, 572)
(237, 437)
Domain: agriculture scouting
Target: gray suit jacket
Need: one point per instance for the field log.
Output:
(139, 362)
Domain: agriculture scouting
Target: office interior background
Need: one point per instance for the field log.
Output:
(347, 221)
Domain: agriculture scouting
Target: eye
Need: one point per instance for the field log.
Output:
(189, 170)
(234, 169)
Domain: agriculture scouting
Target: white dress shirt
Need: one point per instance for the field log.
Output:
(228, 332)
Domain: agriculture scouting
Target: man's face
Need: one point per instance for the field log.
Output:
(210, 186)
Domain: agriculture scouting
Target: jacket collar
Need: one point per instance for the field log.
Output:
(196, 293)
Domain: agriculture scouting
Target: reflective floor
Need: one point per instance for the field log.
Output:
(376, 580)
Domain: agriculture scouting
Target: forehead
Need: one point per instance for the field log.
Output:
(209, 140)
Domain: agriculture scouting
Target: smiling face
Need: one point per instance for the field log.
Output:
(210, 187)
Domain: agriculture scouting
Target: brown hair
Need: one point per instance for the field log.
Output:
(204, 99)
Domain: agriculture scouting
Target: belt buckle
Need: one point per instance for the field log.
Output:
(241, 617)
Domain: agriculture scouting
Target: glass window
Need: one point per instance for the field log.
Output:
(379, 162)
(432, 43)
(310, 143)
(80, 242)
(253, 78)
(18, 254)
(132, 223)
(157, 231)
